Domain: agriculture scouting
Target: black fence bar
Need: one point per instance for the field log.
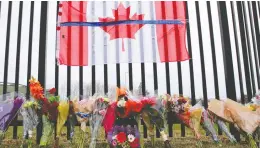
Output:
(244, 50)
(56, 68)
(93, 76)
(7, 44)
(81, 44)
(130, 66)
(192, 85)
(29, 64)
(69, 62)
(42, 58)
(214, 61)
(256, 26)
(242, 95)
(204, 83)
(105, 53)
(17, 68)
(118, 84)
(213, 51)
(56, 62)
(254, 44)
(227, 57)
(249, 47)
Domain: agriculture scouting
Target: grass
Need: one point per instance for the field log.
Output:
(188, 141)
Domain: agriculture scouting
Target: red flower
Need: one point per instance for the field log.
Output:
(135, 143)
(121, 137)
(52, 91)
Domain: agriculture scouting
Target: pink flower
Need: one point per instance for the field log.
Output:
(102, 112)
(114, 143)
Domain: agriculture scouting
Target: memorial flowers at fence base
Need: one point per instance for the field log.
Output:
(10, 105)
(47, 109)
(30, 121)
(63, 112)
(99, 110)
(124, 136)
(83, 109)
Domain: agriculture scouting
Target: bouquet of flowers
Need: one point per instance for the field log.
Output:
(48, 108)
(30, 120)
(154, 115)
(99, 110)
(10, 105)
(83, 110)
(63, 112)
(124, 137)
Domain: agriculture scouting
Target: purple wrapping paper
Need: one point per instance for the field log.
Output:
(8, 110)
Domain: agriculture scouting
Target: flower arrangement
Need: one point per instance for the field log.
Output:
(9, 108)
(124, 136)
(47, 107)
(30, 120)
(99, 110)
(63, 112)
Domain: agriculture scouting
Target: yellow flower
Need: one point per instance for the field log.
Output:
(106, 99)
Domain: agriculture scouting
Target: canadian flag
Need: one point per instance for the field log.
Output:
(93, 33)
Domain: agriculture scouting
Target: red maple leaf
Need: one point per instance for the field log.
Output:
(122, 30)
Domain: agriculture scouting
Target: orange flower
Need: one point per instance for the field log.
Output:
(36, 89)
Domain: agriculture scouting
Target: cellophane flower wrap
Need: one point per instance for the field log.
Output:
(99, 110)
(47, 107)
(63, 112)
(124, 137)
(154, 115)
(83, 110)
(10, 105)
(30, 120)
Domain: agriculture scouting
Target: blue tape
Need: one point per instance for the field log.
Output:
(83, 115)
(100, 24)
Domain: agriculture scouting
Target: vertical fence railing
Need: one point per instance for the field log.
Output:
(247, 25)
(227, 54)
(7, 45)
(242, 95)
(214, 61)
(42, 58)
(254, 43)
(244, 51)
(17, 67)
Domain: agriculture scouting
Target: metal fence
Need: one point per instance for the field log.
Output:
(230, 34)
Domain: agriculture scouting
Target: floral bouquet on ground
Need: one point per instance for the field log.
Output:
(99, 110)
(155, 116)
(30, 120)
(10, 105)
(83, 110)
(48, 108)
(124, 137)
(63, 110)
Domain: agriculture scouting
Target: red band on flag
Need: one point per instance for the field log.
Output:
(74, 39)
(171, 39)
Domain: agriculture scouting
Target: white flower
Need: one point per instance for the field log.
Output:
(164, 136)
(30, 133)
(121, 103)
(114, 137)
(131, 138)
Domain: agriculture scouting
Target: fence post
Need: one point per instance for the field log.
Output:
(227, 56)
(42, 57)
(17, 68)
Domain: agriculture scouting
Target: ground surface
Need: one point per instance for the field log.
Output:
(177, 142)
